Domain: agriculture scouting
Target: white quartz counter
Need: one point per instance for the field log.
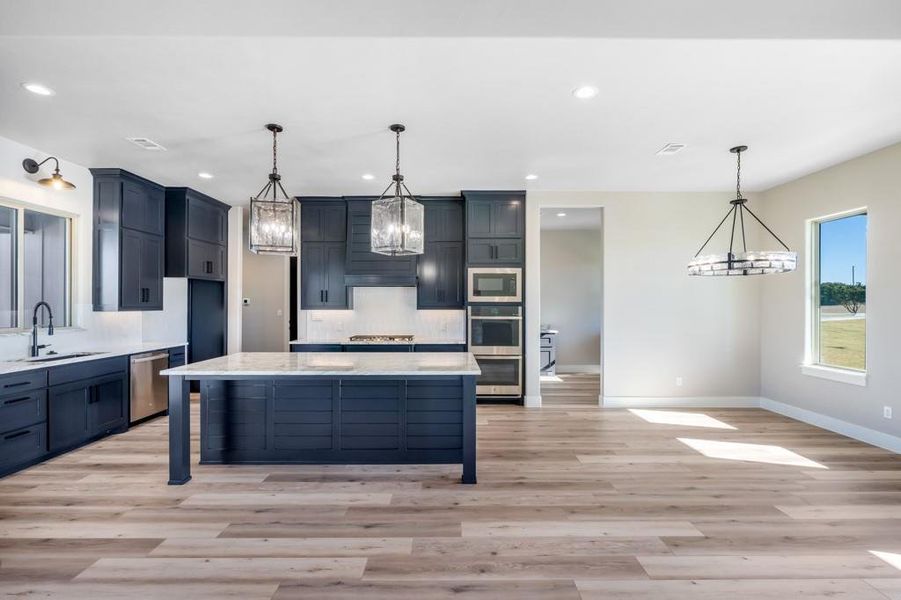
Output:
(105, 351)
(344, 364)
(348, 341)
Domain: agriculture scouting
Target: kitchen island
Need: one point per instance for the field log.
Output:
(326, 408)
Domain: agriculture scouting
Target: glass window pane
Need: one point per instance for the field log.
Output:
(8, 230)
(45, 254)
(842, 307)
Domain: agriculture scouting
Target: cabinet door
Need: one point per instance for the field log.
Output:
(68, 414)
(334, 257)
(152, 272)
(108, 403)
(19, 447)
(479, 218)
(205, 260)
(443, 220)
(440, 282)
(312, 273)
(508, 252)
(131, 285)
(143, 207)
(323, 222)
(207, 222)
(480, 251)
(508, 217)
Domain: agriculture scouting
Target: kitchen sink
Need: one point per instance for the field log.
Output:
(53, 357)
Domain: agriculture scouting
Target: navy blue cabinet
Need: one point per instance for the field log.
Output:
(500, 252)
(85, 409)
(128, 241)
(441, 276)
(495, 214)
(322, 276)
(364, 267)
(23, 419)
(439, 348)
(443, 219)
(316, 348)
(196, 235)
(323, 220)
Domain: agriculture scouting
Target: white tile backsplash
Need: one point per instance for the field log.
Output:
(384, 310)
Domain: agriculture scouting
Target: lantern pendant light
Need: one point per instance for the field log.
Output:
(746, 262)
(397, 218)
(273, 222)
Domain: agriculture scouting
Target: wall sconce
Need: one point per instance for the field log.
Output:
(55, 181)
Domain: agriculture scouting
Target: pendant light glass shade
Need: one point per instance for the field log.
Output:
(398, 220)
(746, 262)
(273, 220)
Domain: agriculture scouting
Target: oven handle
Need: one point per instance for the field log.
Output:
(476, 318)
(479, 357)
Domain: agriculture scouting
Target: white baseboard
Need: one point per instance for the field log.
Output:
(680, 402)
(594, 369)
(532, 401)
(857, 432)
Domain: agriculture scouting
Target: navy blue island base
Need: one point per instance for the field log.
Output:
(266, 418)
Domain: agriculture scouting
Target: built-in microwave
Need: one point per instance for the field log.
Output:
(494, 284)
(495, 330)
(501, 376)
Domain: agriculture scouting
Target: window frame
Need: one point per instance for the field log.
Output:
(812, 365)
(23, 322)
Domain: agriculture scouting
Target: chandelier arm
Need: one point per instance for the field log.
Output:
(732, 237)
(287, 197)
(770, 231)
(385, 191)
(409, 193)
(701, 249)
(262, 193)
(744, 241)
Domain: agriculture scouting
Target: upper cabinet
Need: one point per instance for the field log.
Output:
(495, 214)
(323, 254)
(440, 273)
(323, 220)
(196, 235)
(365, 267)
(128, 241)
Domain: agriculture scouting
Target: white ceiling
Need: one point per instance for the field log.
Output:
(483, 105)
(573, 218)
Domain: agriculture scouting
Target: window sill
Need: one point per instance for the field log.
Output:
(833, 374)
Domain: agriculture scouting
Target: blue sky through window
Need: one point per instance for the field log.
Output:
(843, 244)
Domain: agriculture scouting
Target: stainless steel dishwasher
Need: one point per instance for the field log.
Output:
(149, 389)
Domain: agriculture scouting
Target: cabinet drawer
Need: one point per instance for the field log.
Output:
(22, 446)
(176, 357)
(22, 382)
(22, 410)
(84, 370)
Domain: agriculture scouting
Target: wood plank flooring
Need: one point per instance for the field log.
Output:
(573, 502)
(570, 389)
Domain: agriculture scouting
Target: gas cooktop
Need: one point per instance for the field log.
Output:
(382, 338)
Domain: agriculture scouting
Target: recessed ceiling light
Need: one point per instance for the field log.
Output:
(561, 214)
(37, 88)
(531, 177)
(368, 176)
(671, 148)
(205, 175)
(584, 92)
(146, 144)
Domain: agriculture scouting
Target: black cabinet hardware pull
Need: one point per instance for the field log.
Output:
(13, 436)
(17, 384)
(326, 296)
(16, 400)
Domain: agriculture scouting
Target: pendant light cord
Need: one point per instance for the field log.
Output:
(397, 153)
(738, 176)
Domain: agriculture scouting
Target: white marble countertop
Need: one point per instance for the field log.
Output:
(348, 341)
(294, 364)
(105, 351)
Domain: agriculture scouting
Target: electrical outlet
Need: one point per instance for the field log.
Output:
(679, 381)
(887, 412)
(315, 316)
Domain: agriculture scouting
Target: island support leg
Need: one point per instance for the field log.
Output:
(469, 429)
(179, 431)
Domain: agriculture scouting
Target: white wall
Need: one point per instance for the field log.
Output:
(870, 181)
(658, 323)
(571, 277)
(384, 310)
(235, 291)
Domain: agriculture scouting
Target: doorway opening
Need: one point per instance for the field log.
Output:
(571, 304)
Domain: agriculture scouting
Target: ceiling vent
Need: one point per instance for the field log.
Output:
(671, 149)
(145, 143)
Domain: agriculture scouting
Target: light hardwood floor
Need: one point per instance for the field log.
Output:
(572, 502)
(570, 389)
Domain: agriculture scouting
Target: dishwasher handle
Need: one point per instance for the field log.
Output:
(144, 358)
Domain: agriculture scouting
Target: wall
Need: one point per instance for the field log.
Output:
(658, 323)
(264, 323)
(870, 181)
(381, 310)
(571, 277)
(235, 290)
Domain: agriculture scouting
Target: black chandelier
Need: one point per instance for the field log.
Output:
(397, 218)
(273, 224)
(746, 262)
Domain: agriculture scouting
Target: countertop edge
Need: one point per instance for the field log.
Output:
(10, 367)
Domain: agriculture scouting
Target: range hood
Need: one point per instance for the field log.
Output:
(365, 268)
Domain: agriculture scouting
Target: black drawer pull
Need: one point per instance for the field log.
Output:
(18, 434)
(16, 400)
(17, 384)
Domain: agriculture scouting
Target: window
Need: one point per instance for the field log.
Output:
(35, 263)
(838, 316)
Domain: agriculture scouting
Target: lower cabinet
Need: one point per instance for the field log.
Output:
(81, 410)
(22, 446)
